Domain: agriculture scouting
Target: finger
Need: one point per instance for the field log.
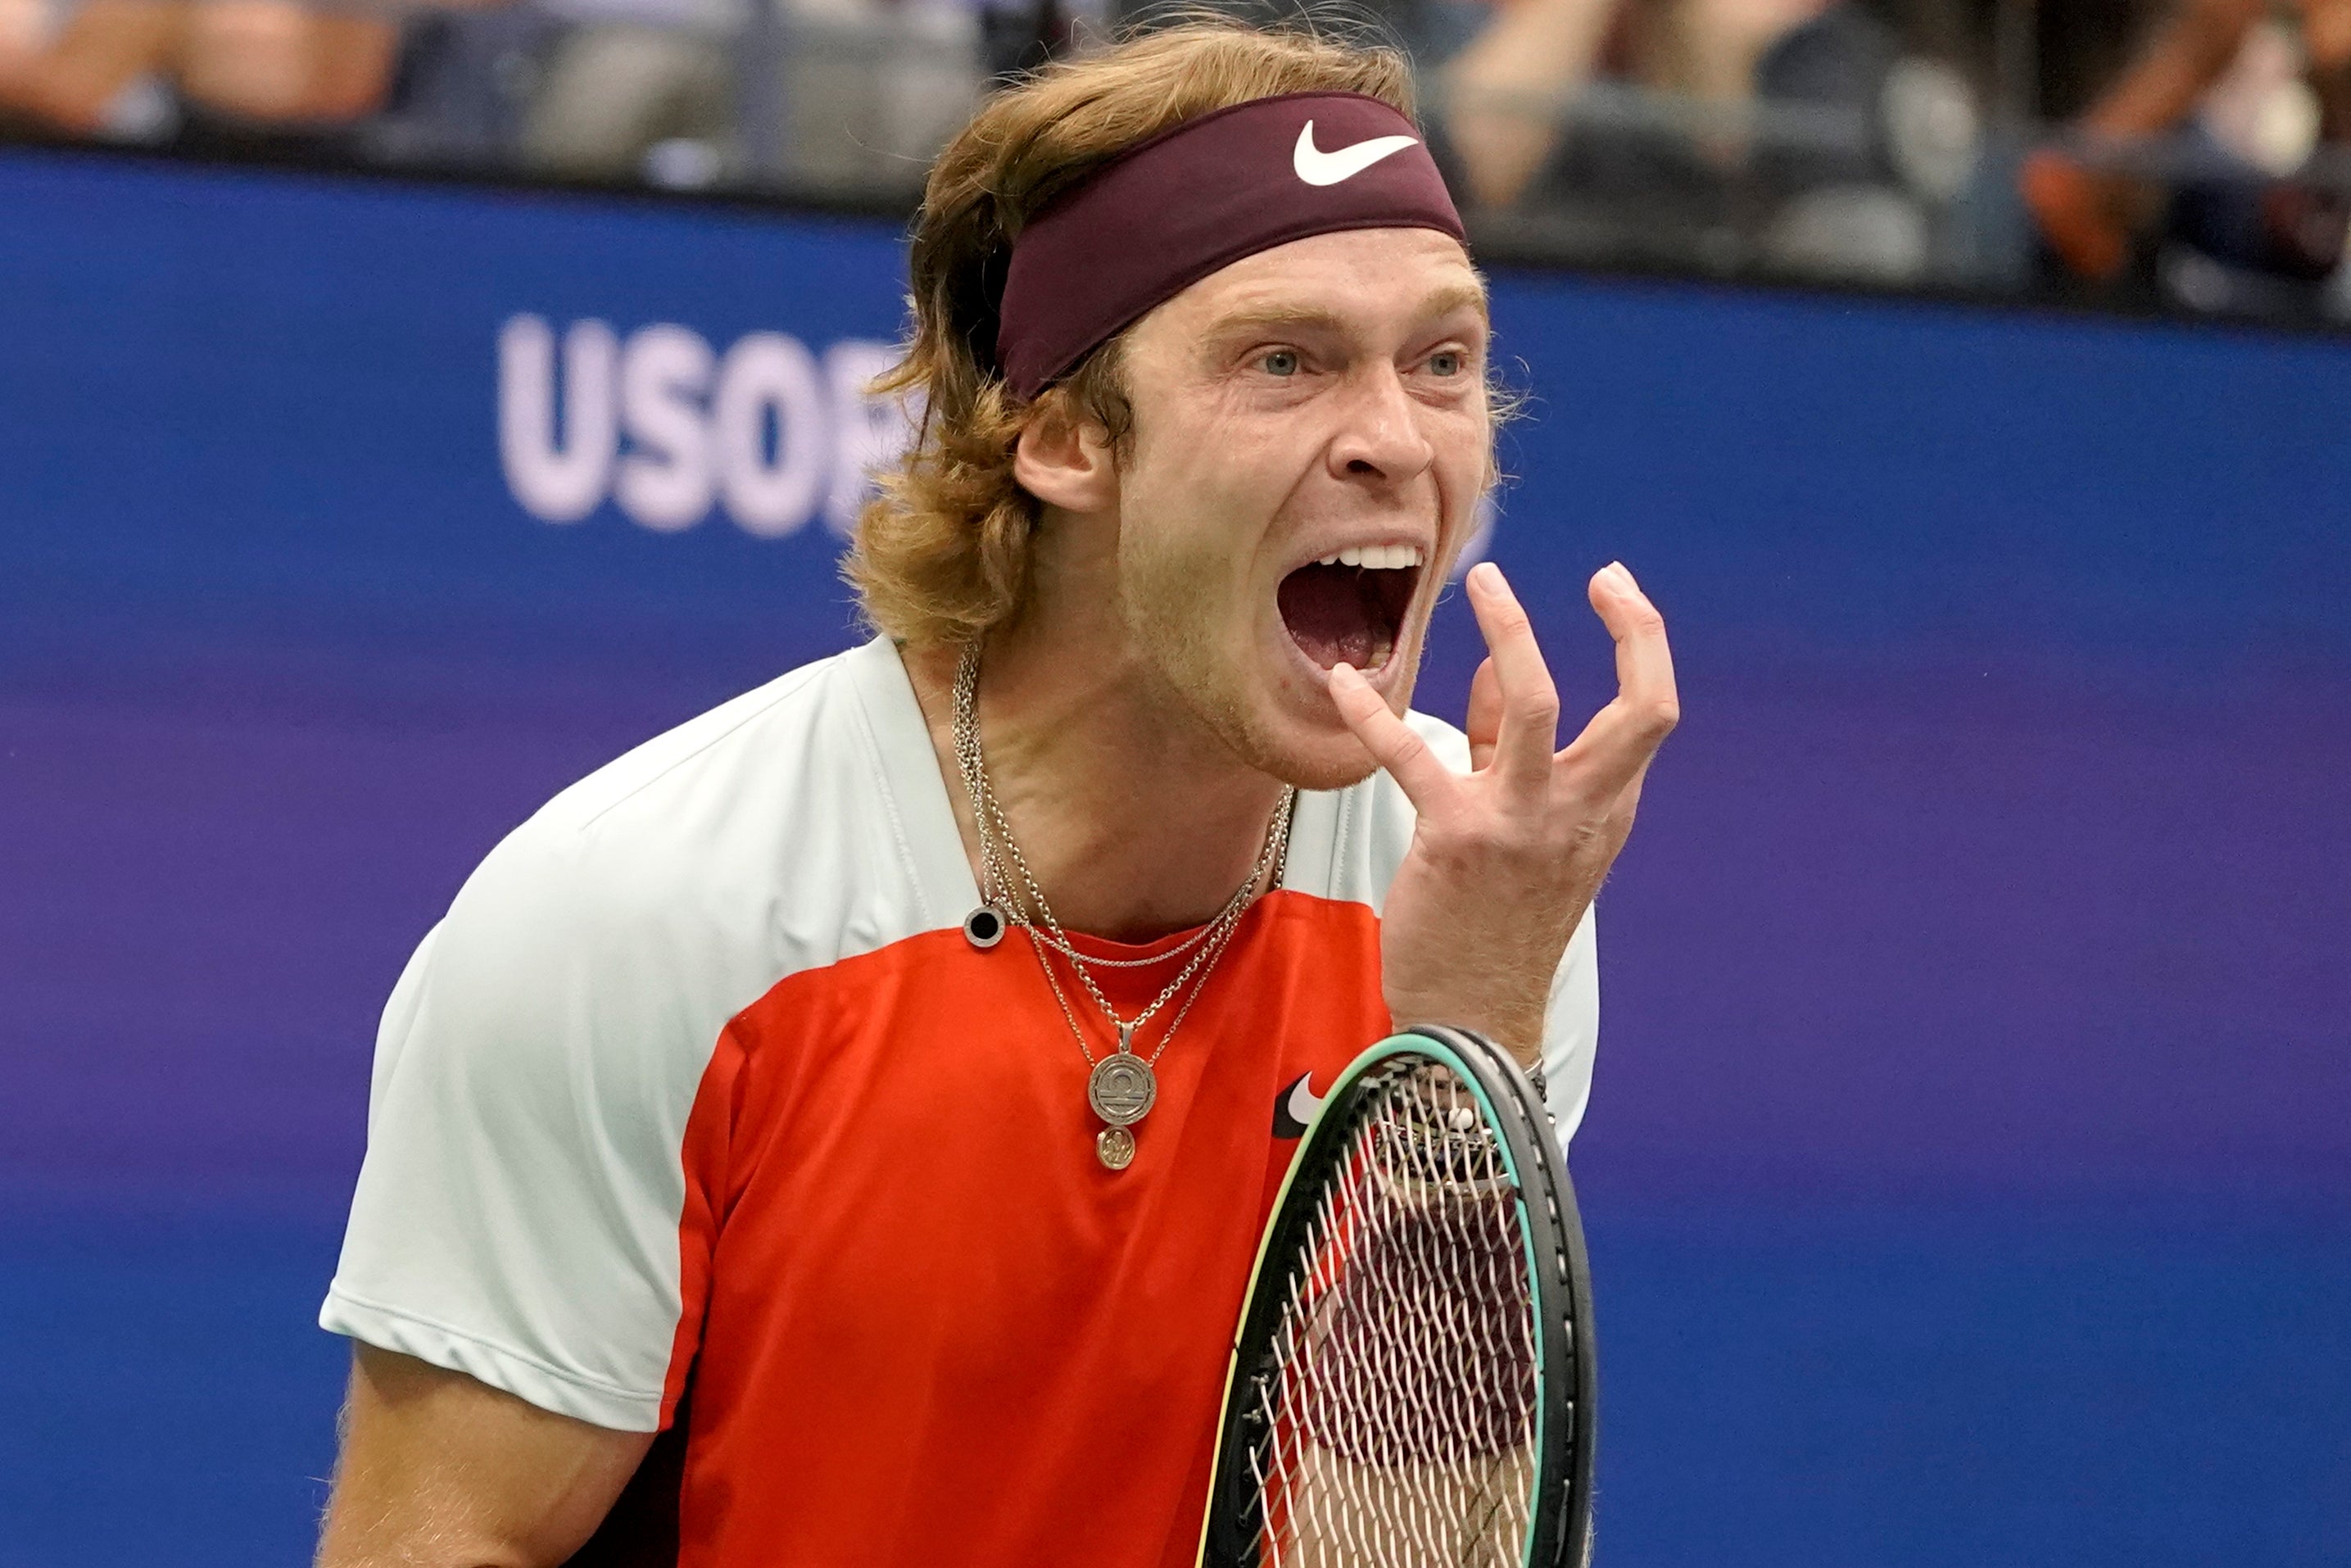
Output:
(1529, 699)
(1612, 754)
(1615, 747)
(1644, 660)
(1485, 713)
(1426, 782)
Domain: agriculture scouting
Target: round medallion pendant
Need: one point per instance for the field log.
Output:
(1122, 1088)
(1114, 1146)
(984, 926)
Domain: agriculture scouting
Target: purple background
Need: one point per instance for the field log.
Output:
(1969, 1165)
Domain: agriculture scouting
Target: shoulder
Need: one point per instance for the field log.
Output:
(673, 886)
(1347, 843)
(684, 780)
(618, 849)
(540, 1064)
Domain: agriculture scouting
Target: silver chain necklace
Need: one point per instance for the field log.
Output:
(1121, 1086)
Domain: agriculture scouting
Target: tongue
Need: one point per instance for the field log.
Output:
(1331, 614)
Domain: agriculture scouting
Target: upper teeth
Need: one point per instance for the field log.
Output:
(1379, 558)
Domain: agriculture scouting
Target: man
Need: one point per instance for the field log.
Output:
(876, 1086)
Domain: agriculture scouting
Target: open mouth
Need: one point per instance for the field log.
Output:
(1349, 608)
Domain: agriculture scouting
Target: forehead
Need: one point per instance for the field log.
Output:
(1372, 279)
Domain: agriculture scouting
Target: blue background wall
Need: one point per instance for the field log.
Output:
(1969, 1168)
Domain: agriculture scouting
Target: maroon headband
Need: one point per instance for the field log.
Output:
(1200, 196)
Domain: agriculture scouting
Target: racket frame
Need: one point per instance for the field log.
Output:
(1551, 1233)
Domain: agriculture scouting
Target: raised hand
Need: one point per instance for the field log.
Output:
(1507, 856)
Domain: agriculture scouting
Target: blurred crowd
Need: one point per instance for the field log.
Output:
(2182, 153)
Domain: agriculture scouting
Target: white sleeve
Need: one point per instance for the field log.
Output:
(517, 1216)
(1572, 1030)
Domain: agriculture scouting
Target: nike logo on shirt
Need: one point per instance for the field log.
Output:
(1295, 1108)
(1317, 167)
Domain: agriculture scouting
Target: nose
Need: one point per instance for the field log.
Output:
(1380, 438)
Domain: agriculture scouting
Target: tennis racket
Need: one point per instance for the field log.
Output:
(1412, 1382)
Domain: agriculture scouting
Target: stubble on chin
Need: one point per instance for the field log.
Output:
(1171, 613)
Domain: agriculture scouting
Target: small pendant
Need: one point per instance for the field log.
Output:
(1122, 1089)
(1114, 1146)
(984, 926)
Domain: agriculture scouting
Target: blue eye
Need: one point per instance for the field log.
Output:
(1451, 362)
(1280, 361)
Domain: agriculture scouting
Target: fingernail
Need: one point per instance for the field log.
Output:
(1342, 666)
(1624, 575)
(1486, 574)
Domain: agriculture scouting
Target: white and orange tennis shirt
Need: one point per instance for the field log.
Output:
(700, 1114)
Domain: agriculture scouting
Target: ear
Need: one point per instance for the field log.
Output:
(1065, 460)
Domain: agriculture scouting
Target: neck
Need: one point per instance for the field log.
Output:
(1134, 819)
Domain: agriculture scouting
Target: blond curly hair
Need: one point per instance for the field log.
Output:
(941, 554)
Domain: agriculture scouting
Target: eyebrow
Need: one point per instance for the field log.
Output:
(1458, 297)
(1444, 301)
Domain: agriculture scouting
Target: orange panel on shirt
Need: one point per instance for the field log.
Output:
(933, 1327)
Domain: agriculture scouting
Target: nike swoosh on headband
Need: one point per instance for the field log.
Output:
(1199, 196)
(1317, 167)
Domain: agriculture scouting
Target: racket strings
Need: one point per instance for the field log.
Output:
(1396, 1420)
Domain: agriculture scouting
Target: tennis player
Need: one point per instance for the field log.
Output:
(838, 1132)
